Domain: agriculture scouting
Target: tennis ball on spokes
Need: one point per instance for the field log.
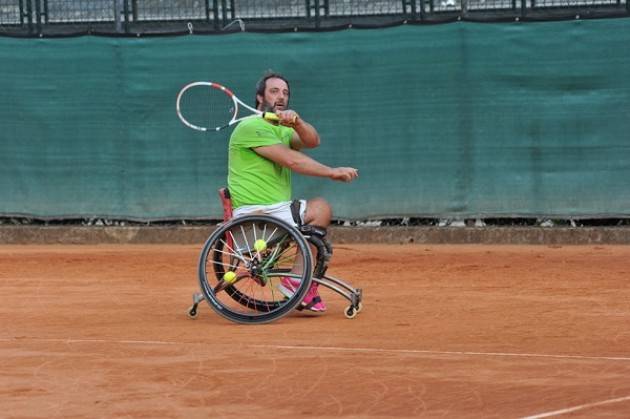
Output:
(229, 277)
(260, 245)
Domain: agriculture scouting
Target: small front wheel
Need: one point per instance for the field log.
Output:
(350, 312)
(192, 312)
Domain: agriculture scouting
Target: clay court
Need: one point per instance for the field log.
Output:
(446, 331)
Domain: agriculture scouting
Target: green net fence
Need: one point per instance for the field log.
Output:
(465, 119)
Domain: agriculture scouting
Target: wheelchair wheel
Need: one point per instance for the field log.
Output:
(242, 263)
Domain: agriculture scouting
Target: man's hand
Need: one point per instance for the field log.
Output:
(344, 174)
(288, 118)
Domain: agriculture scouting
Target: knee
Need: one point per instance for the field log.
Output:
(318, 212)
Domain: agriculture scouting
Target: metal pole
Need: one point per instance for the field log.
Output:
(21, 12)
(223, 13)
(38, 17)
(232, 11)
(118, 15)
(126, 15)
(45, 12)
(213, 13)
(29, 15)
(415, 7)
(134, 10)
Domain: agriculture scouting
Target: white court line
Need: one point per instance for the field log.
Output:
(426, 352)
(575, 408)
(372, 350)
(69, 340)
(329, 348)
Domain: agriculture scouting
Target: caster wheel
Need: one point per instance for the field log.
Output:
(359, 307)
(192, 312)
(350, 312)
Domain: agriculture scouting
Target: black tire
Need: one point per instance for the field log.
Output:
(253, 297)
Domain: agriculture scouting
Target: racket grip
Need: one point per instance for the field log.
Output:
(270, 116)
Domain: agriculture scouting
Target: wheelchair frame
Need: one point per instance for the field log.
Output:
(222, 252)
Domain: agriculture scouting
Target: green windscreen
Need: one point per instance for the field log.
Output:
(462, 119)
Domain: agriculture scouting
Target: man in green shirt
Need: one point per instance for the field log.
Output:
(262, 157)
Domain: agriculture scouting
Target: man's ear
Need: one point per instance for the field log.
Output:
(260, 99)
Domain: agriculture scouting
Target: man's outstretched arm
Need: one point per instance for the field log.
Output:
(304, 165)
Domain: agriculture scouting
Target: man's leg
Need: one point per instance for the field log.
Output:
(318, 212)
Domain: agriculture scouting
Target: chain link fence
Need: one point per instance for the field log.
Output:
(139, 17)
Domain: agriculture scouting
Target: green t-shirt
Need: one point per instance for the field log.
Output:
(253, 179)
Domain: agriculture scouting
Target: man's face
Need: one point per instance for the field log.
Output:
(276, 95)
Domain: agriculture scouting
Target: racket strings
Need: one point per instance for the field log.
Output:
(207, 107)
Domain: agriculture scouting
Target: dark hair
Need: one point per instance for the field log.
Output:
(262, 84)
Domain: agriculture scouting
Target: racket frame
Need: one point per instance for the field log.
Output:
(269, 116)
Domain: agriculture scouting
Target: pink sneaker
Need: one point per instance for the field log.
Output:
(312, 301)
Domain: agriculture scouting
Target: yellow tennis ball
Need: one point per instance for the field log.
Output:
(260, 245)
(229, 277)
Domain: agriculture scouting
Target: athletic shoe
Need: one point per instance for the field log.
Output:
(312, 301)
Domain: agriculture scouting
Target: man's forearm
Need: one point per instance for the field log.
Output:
(308, 134)
(304, 165)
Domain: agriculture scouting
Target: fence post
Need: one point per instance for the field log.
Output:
(416, 8)
(134, 10)
(214, 10)
(232, 11)
(313, 10)
(44, 13)
(325, 7)
(118, 15)
(224, 12)
(38, 17)
(229, 14)
(26, 12)
(126, 15)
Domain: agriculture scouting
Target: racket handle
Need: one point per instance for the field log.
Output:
(270, 116)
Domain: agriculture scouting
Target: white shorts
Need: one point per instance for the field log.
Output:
(280, 210)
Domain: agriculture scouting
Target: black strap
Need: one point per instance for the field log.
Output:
(295, 212)
(312, 230)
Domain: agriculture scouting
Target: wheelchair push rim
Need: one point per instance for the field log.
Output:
(243, 262)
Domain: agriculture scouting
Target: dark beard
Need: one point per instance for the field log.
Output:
(266, 107)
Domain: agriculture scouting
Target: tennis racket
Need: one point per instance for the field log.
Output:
(207, 106)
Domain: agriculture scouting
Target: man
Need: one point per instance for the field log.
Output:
(262, 156)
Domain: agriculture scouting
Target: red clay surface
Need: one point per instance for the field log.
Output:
(446, 331)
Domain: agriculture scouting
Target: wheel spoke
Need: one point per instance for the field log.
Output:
(247, 246)
(254, 297)
(237, 247)
(240, 257)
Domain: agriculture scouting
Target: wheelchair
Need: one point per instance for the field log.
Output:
(244, 260)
